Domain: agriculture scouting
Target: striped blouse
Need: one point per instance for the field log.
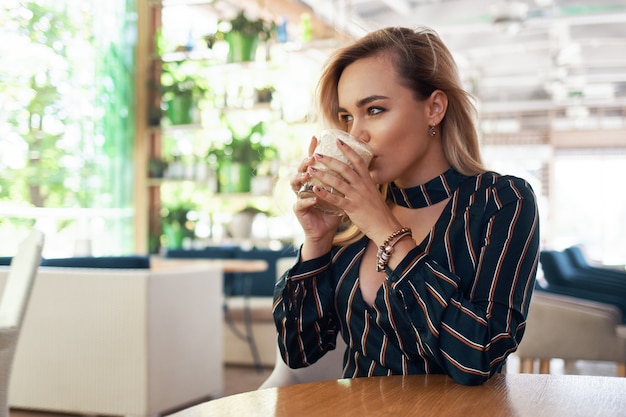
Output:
(456, 304)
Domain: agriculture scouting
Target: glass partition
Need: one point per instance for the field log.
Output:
(67, 124)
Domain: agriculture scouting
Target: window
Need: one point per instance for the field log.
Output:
(588, 203)
(67, 124)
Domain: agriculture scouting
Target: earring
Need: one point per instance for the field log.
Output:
(431, 130)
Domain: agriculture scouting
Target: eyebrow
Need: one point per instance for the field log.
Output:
(365, 101)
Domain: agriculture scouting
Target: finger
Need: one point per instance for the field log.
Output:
(298, 180)
(330, 196)
(304, 164)
(335, 170)
(302, 205)
(355, 159)
(312, 145)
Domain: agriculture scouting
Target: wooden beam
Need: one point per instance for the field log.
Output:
(142, 64)
(588, 138)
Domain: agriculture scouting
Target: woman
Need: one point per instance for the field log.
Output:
(432, 267)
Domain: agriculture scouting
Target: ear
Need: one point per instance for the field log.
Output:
(437, 107)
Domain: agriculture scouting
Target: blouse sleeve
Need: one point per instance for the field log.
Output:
(468, 330)
(304, 313)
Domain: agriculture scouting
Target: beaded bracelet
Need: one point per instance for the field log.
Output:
(386, 249)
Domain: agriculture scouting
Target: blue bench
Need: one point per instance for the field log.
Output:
(108, 262)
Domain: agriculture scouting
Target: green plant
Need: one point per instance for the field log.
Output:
(181, 78)
(177, 224)
(177, 214)
(182, 88)
(243, 156)
(246, 147)
(260, 28)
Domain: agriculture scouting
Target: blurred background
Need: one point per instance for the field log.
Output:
(98, 149)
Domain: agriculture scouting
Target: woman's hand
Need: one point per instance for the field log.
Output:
(354, 192)
(319, 227)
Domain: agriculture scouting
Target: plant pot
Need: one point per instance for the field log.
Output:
(263, 95)
(180, 109)
(241, 225)
(234, 177)
(241, 48)
(174, 235)
(156, 167)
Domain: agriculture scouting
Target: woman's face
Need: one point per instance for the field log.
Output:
(378, 110)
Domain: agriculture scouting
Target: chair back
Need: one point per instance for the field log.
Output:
(557, 267)
(15, 296)
(577, 257)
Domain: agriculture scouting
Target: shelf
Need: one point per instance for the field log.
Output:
(193, 55)
(233, 102)
(159, 182)
(176, 128)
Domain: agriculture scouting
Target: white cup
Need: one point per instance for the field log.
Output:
(327, 145)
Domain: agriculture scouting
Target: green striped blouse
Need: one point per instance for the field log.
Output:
(456, 304)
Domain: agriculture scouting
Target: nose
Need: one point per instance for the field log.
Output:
(360, 133)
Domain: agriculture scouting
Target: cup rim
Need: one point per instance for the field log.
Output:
(353, 140)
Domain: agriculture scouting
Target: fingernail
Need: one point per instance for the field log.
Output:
(319, 155)
(340, 142)
(313, 169)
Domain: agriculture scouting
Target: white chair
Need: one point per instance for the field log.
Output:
(15, 296)
(330, 366)
(571, 329)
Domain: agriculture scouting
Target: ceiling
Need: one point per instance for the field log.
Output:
(522, 54)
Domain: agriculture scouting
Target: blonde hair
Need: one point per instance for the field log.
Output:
(424, 64)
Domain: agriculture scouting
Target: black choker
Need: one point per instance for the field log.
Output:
(433, 192)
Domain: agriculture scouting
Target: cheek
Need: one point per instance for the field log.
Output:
(395, 156)
(388, 165)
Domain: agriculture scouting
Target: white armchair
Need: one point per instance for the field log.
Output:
(570, 328)
(330, 366)
(120, 341)
(13, 305)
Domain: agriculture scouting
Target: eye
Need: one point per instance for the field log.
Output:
(345, 118)
(374, 110)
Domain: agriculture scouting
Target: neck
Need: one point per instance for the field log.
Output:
(422, 176)
(433, 191)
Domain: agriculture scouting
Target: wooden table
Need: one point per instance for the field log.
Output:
(226, 265)
(519, 395)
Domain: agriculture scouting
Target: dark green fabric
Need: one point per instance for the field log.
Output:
(456, 304)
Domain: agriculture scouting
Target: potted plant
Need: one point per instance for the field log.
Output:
(244, 34)
(239, 158)
(176, 223)
(264, 94)
(181, 90)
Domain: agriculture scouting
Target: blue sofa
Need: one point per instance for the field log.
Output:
(562, 276)
(580, 262)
